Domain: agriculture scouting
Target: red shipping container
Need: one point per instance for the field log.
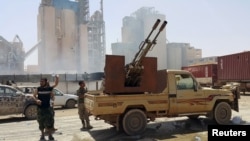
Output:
(234, 67)
(205, 73)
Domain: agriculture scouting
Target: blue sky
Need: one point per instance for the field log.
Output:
(218, 27)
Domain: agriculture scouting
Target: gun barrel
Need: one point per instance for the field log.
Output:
(160, 30)
(146, 40)
(134, 69)
(156, 24)
(163, 25)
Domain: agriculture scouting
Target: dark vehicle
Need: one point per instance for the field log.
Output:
(13, 101)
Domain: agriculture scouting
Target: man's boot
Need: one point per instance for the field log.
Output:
(83, 125)
(89, 126)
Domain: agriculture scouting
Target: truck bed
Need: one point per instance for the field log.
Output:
(98, 103)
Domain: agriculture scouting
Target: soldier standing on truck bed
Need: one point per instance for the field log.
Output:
(83, 113)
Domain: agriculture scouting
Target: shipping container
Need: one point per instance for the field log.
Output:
(234, 67)
(206, 74)
(229, 70)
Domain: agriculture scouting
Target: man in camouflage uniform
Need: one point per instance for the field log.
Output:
(83, 113)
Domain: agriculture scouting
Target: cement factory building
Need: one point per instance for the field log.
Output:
(135, 29)
(69, 39)
(12, 56)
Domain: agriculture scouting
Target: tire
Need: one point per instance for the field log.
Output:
(70, 103)
(222, 113)
(134, 122)
(31, 112)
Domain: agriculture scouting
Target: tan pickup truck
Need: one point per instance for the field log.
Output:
(180, 95)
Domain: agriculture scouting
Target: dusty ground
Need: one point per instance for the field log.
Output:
(16, 128)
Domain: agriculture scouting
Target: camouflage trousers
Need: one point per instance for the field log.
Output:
(45, 118)
(83, 113)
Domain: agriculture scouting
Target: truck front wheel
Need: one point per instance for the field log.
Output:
(134, 122)
(31, 112)
(222, 113)
(70, 103)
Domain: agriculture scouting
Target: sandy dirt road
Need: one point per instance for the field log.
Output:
(17, 128)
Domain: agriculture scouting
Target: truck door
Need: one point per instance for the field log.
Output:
(189, 99)
(59, 98)
(10, 101)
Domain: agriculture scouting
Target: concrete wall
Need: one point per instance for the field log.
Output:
(68, 83)
(67, 87)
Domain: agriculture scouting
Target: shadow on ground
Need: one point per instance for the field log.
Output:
(9, 119)
(164, 130)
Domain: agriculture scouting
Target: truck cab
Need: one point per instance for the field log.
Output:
(187, 97)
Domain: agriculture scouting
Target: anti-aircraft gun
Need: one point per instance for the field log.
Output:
(134, 69)
(140, 75)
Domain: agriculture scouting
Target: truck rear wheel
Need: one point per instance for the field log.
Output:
(222, 113)
(134, 122)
